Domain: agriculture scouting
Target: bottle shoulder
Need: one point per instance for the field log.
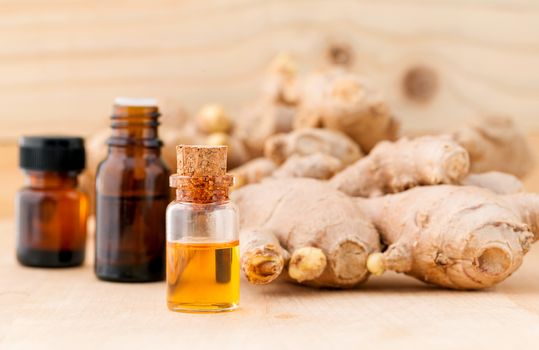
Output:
(188, 206)
(116, 175)
(32, 194)
(120, 163)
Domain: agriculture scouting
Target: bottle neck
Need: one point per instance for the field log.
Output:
(134, 151)
(203, 189)
(51, 180)
(135, 126)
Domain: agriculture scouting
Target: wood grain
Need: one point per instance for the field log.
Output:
(70, 308)
(63, 62)
(11, 179)
(531, 182)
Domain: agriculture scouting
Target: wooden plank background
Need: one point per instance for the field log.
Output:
(62, 62)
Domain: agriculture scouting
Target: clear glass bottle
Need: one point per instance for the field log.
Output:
(132, 194)
(203, 269)
(51, 210)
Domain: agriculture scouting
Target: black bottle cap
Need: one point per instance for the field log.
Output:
(51, 153)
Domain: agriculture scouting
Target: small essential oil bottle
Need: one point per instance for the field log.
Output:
(203, 272)
(51, 210)
(132, 195)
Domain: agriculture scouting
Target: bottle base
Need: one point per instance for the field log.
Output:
(202, 307)
(128, 274)
(50, 259)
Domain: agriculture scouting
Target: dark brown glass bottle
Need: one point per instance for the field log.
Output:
(51, 210)
(132, 194)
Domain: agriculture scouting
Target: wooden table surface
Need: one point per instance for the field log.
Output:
(70, 308)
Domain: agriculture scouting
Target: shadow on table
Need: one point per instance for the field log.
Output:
(390, 284)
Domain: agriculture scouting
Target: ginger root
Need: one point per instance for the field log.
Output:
(326, 234)
(396, 166)
(96, 151)
(211, 126)
(273, 112)
(237, 153)
(253, 171)
(281, 84)
(310, 141)
(343, 101)
(261, 120)
(496, 144)
(458, 237)
(262, 257)
(316, 166)
(500, 183)
(307, 264)
(96, 146)
(313, 153)
(172, 137)
(212, 118)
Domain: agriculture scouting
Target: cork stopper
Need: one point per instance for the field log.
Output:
(198, 160)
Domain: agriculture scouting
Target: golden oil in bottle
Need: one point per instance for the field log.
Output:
(203, 272)
(203, 276)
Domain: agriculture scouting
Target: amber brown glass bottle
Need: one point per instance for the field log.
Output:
(51, 210)
(131, 197)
